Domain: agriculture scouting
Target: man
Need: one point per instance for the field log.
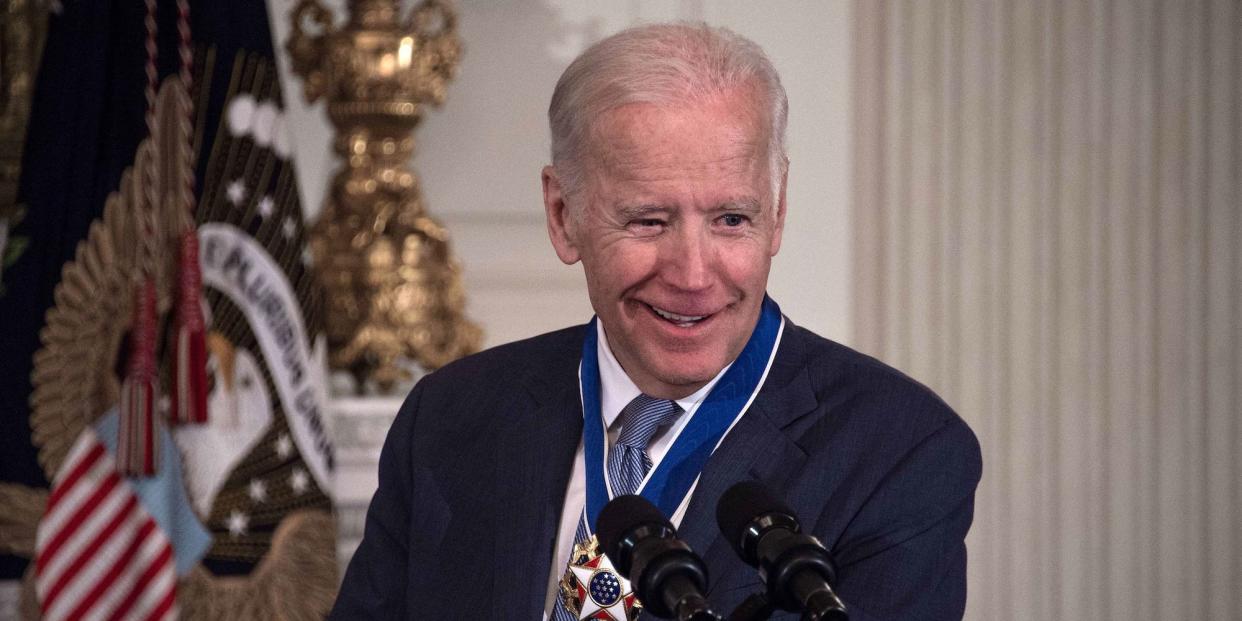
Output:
(668, 184)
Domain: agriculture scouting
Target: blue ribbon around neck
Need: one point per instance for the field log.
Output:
(676, 473)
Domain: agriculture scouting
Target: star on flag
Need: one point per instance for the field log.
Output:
(258, 490)
(236, 192)
(284, 446)
(299, 481)
(237, 523)
(266, 206)
(603, 592)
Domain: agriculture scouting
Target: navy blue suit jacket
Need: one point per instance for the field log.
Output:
(473, 475)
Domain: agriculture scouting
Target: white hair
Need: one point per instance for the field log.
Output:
(661, 64)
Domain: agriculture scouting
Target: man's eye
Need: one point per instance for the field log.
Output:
(733, 219)
(646, 227)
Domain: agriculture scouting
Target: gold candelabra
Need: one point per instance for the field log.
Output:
(393, 288)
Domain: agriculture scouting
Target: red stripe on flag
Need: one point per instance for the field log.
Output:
(165, 606)
(71, 479)
(99, 552)
(121, 563)
(88, 554)
(49, 551)
(161, 562)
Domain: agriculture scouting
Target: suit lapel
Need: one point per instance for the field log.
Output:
(753, 449)
(535, 451)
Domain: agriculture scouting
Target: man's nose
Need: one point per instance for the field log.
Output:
(687, 260)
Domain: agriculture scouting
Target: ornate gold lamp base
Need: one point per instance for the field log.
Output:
(394, 291)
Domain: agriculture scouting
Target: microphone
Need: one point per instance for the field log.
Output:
(666, 575)
(796, 567)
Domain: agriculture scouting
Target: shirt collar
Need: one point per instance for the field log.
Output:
(617, 390)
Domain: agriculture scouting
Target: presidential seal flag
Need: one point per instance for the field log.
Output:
(198, 225)
(269, 361)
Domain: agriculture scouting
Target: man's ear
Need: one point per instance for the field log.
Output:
(780, 213)
(562, 229)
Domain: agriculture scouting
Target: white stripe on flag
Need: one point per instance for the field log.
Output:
(121, 586)
(80, 538)
(85, 578)
(102, 569)
(155, 593)
(73, 498)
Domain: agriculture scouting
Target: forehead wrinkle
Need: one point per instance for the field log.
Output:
(633, 149)
(642, 165)
(621, 140)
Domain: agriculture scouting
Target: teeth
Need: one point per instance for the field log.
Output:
(674, 317)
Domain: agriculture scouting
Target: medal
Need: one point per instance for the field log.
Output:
(592, 589)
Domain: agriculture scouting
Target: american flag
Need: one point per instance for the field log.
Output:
(99, 554)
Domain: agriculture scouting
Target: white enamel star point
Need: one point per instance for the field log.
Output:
(602, 589)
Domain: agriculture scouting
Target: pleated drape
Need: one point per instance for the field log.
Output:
(1048, 233)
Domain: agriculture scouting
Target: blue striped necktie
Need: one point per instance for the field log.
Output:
(628, 462)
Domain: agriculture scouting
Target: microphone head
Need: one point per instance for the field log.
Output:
(621, 524)
(741, 514)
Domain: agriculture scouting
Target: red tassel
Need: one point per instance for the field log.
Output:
(138, 443)
(189, 393)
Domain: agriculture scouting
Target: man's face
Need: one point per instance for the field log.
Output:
(676, 234)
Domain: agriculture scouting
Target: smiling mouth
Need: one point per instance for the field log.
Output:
(681, 321)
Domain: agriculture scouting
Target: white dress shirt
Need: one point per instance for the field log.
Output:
(616, 392)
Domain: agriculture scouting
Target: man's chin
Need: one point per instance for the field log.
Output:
(683, 380)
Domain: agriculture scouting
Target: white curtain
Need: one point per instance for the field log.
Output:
(1047, 232)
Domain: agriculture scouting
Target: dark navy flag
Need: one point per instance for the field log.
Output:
(86, 121)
